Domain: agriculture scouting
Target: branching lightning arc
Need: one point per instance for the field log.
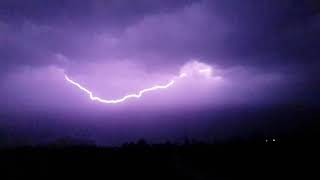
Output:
(124, 98)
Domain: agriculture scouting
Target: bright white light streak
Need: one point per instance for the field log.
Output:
(124, 98)
(114, 101)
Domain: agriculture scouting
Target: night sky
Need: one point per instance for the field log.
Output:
(263, 57)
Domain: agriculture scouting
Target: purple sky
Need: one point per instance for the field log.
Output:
(267, 53)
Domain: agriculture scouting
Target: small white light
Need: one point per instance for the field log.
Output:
(208, 70)
(266, 140)
(183, 75)
(273, 140)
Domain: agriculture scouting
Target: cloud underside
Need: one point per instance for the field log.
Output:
(158, 32)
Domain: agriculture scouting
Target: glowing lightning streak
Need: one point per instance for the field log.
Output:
(114, 101)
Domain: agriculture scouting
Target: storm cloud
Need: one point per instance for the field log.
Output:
(260, 49)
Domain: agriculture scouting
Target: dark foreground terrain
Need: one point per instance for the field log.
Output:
(250, 160)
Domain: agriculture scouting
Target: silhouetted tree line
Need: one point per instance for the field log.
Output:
(189, 160)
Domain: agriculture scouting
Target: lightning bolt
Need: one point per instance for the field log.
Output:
(114, 101)
(124, 98)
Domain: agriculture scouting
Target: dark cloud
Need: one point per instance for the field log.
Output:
(33, 33)
(96, 12)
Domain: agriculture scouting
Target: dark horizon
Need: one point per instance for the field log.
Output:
(294, 124)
